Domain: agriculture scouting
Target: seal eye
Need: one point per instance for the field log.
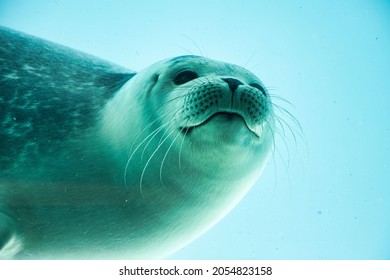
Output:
(184, 77)
(259, 87)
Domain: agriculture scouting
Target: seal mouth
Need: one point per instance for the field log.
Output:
(229, 116)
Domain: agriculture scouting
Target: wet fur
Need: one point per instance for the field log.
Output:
(97, 162)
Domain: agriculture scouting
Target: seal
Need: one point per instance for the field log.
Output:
(100, 162)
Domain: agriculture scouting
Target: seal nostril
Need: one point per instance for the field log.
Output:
(233, 83)
(259, 87)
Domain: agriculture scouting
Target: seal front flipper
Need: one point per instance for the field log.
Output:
(10, 244)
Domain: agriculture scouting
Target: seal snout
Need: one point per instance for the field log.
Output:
(227, 95)
(233, 83)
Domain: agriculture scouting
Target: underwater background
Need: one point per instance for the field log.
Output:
(326, 192)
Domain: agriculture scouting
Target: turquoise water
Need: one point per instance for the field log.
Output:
(327, 196)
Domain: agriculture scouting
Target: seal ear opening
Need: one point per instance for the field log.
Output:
(151, 83)
(155, 78)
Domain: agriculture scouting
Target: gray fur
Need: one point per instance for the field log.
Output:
(48, 93)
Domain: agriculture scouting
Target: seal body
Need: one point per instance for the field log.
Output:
(97, 161)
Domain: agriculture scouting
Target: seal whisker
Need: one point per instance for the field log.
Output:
(286, 112)
(152, 134)
(171, 121)
(284, 123)
(162, 106)
(149, 160)
(272, 128)
(274, 167)
(280, 98)
(166, 125)
(181, 146)
(191, 89)
(291, 116)
(166, 154)
(285, 145)
(279, 129)
(283, 128)
(157, 130)
(196, 45)
(145, 128)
